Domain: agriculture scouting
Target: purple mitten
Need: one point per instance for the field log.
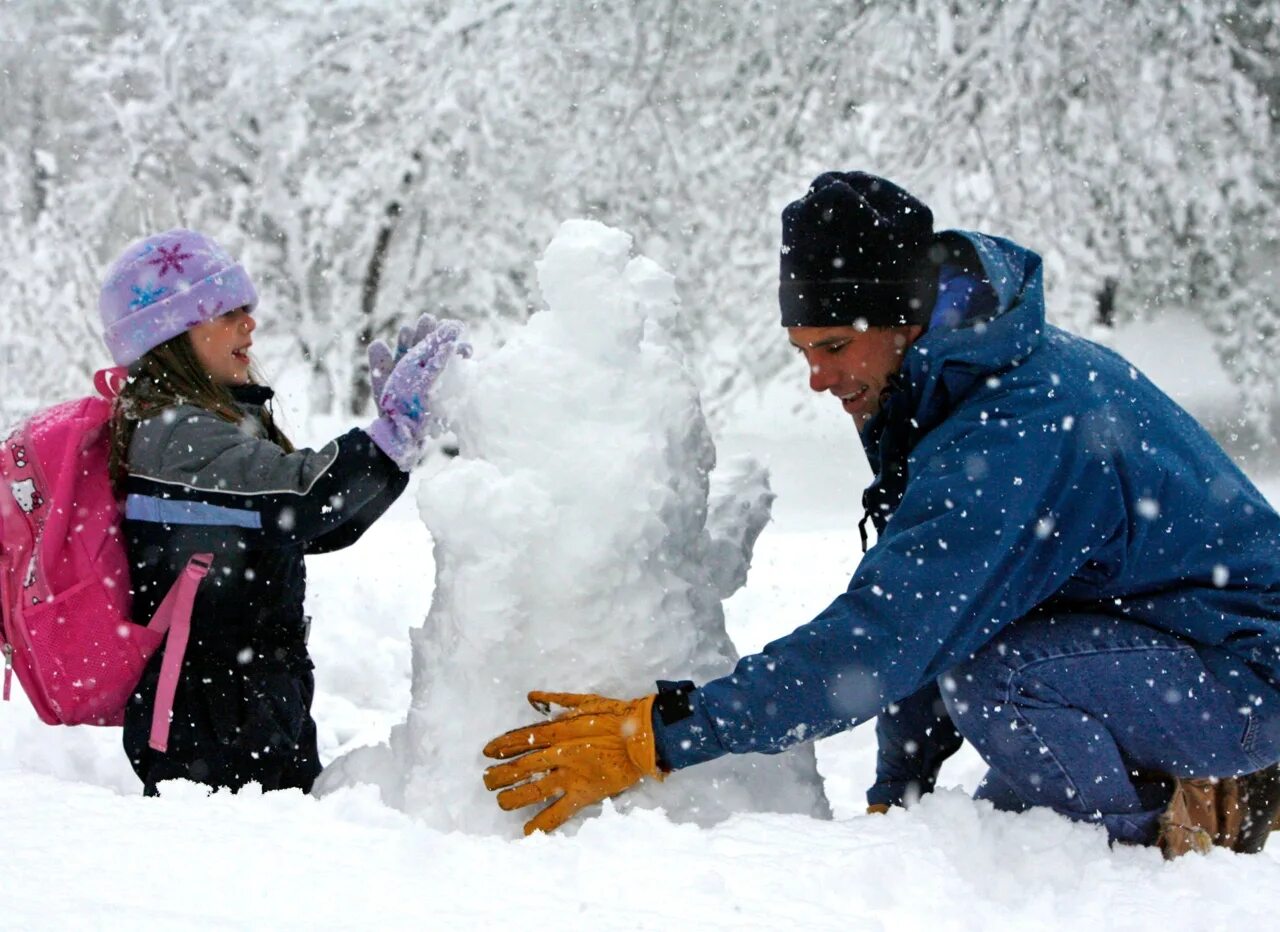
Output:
(405, 420)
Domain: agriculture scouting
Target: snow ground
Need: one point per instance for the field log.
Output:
(83, 850)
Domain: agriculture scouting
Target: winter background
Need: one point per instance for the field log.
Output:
(373, 160)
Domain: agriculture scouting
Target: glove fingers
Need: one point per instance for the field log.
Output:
(539, 737)
(380, 357)
(557, 814)
(433, 351)
(404, 395)
(437, 349)
(412, 373)
(426, 323)
(543, 700)
(447, 331)
(379, 354)
(511, 744)
(404, 340)
(380, 365)
(547, 789)
(500, 776)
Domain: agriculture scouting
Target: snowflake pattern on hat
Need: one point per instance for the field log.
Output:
(209, 312)
(172, 256)
(146, 294)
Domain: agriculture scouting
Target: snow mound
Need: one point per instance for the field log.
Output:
(579, 547)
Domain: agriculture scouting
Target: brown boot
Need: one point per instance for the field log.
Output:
(1262, 808)
(1225, 812)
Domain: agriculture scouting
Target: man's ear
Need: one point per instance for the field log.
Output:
(907, 336)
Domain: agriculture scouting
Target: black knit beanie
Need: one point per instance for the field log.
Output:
(856, 248)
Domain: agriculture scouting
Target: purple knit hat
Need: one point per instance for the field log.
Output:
(166, 284)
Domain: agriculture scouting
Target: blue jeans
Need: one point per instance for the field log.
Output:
(1071, 711)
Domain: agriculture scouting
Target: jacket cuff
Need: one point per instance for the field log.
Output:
(399, 449)
(683, 731)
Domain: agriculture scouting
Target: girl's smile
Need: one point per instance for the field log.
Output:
(222, 346)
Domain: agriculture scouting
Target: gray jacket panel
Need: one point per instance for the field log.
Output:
(192, 447)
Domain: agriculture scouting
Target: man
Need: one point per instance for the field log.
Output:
(1069, 572)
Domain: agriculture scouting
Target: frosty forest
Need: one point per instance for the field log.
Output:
(372, 160)
(645, 487)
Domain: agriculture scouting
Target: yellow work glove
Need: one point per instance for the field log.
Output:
(596, 749)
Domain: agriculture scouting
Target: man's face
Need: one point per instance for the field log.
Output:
(853, 363)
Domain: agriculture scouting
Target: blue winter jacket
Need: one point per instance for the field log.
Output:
(1018, 469)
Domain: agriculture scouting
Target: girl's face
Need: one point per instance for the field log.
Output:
(222, 346)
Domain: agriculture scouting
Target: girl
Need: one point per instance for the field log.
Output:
(203, 468)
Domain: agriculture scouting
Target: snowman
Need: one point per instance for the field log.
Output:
(584, 535)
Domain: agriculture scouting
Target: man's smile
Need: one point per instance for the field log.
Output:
(850, 400)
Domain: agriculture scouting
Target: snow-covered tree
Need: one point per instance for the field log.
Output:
(371, 160)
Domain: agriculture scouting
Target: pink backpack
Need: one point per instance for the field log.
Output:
(64, 575)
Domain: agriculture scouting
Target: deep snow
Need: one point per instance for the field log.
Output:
(82, 849)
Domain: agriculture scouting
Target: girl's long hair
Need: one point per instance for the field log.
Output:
(169, 375)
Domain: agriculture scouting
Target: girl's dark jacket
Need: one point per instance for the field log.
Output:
(1018, 468)
(200, 484)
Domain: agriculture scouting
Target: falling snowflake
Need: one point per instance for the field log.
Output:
(1148, 508)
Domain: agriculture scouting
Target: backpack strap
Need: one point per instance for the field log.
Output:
(174, 616)
(110, 382)
(6, 646)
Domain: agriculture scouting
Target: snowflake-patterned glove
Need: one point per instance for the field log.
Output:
(383, 359)
(405, 420)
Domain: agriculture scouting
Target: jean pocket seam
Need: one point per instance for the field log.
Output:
(1249, 739)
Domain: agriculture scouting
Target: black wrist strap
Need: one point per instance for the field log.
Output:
(672, 703)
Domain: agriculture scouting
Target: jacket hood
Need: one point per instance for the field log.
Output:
(995, 328)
